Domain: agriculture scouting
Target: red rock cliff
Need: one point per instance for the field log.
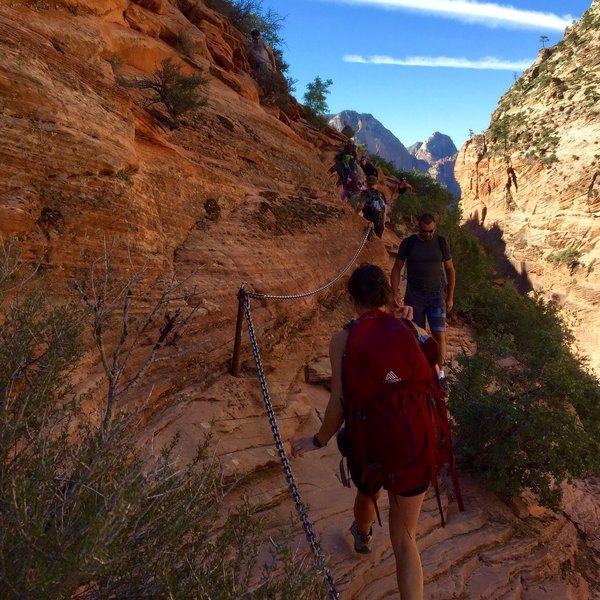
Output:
(241, 193)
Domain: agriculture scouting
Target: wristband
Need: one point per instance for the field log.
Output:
(317, 442)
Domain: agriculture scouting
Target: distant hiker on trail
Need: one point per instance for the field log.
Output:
(262, 59)
(347, 130)
(373, 205)
(381, 386)
(427, 257)
(368, 167)
(261, 54)
(404, 186)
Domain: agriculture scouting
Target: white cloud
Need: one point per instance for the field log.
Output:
(488, 62)
(485, 13)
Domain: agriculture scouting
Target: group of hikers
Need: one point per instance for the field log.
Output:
(387, 399)
(387, 396)
(358, 178)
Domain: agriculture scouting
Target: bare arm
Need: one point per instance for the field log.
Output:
(451, 276)
(334, 413)
(395, 281)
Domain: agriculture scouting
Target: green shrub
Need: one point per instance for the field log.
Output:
(537, 424)
(171, 91)
(116, 61)
(86, 510)
(512, 439)
(428, 196)
(568, 256)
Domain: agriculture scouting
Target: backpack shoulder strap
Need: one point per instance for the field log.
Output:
(410, 244)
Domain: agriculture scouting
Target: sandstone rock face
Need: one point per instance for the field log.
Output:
(438, 152)
(436, 147)
(240, 193)
(531, 182)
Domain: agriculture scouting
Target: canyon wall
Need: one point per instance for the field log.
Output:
(530, 184)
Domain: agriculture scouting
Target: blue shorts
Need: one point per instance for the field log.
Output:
(430, 305)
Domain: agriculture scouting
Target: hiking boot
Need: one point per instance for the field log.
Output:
(362, 543)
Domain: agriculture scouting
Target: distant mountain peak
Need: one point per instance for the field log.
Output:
(434, 156)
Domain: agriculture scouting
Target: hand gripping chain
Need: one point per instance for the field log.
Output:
(244, 298)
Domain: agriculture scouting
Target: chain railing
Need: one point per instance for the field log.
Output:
(244, 309)
(333, 281)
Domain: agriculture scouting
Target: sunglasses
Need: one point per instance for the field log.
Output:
(426, 230)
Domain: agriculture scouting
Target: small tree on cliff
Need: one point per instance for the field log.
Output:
(171, 91)
(315, 100)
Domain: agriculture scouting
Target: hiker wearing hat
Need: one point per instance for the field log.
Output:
(374, 203)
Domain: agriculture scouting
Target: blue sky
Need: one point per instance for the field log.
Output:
(376, 52)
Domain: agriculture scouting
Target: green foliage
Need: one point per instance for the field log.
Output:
(500, 131)
(123, 175)
(428, 196)
(247, 15)
(532, 425)
(89, 512)
(568, 256)
(470, 261)
(315, 97)
(185, 43)
(509, 435)
(172, 91)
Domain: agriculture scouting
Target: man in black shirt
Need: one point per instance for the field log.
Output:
(427, 257)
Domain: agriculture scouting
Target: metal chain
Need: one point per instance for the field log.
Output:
(260, 296)
(310, 535)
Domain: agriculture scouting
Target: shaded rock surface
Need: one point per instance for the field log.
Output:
(238, 193)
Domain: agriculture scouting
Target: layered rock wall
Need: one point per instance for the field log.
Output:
(531, 182)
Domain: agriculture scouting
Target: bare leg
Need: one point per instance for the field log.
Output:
(364, 512)
(404, 515)
(440, 338)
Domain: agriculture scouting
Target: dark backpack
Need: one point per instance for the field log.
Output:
(374, 204)
(397, 431)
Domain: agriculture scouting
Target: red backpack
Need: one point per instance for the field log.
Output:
(396, 419)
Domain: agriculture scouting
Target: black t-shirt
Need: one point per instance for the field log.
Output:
(424, 262)
(370, 170)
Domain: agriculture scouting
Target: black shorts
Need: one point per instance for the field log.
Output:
(356, 475)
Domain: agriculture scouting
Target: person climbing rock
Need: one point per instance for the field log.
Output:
(262, 59)
(373, 203)
(404, 186)
(427, 257)
(373, 353)
(368, 167)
